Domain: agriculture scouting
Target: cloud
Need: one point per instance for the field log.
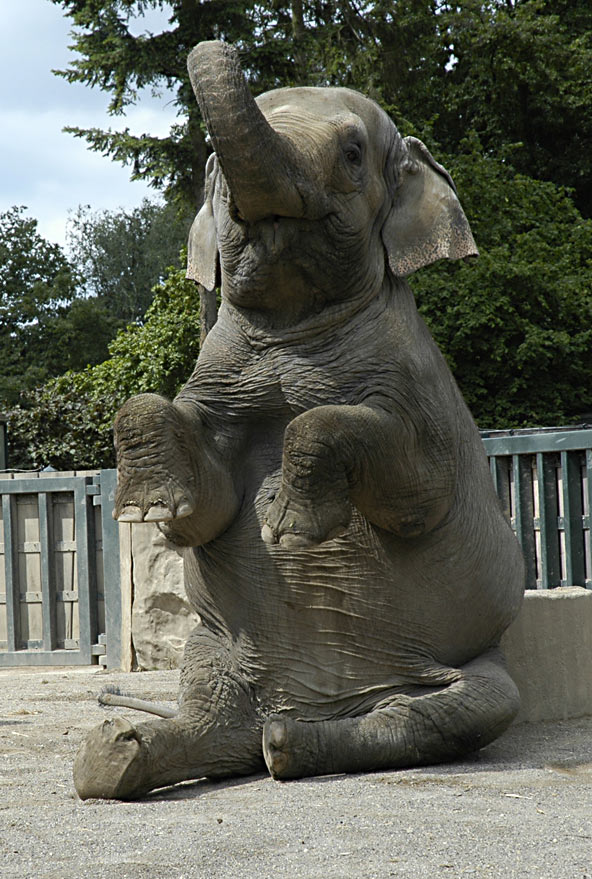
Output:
(52, 172)
(47, 170)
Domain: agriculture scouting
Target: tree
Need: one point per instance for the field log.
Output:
(67, 422)
(298, 43)
(36, 284)
(516, 71)
(520, 74)
(516, 324)
(121, 63)
(121, 255)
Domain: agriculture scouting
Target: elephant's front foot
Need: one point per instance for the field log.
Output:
(110, 763)
(156, 482)
(296, 521)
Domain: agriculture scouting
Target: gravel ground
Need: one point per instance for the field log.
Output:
(521, 808)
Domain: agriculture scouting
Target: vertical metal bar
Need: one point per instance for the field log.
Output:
(548, 513)
(524, 504)
(572, 514)
(588, 534)
(494, 472)
(48, 587)
(111, 568)
(87, 583)
(13, 606)
(499, 473)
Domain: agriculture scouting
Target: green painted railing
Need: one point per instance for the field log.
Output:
(60, 601)
(544, 482)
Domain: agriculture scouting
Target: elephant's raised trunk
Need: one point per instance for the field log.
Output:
(265, 174)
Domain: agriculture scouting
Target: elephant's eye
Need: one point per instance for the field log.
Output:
(353, 153)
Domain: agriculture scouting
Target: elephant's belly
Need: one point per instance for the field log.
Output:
(333, 630)
(308, 628)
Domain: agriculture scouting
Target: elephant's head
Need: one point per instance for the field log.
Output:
(311, 194)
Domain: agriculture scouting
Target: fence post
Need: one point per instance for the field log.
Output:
(563, 511)
(3, 444)
(548, 521)
(117, 648)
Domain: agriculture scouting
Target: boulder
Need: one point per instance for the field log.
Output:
(162, 618)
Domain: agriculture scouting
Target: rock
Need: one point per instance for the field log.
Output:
(162, 618)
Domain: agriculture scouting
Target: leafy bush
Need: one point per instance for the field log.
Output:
(67, 423)
(516, 324)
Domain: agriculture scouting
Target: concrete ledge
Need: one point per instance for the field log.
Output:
(549, 653)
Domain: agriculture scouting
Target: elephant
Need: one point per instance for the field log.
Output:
(320, 472)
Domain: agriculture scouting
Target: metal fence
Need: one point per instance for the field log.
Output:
(60, 572)
(544, 482)
(60, 601)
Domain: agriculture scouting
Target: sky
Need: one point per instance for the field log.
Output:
(42, 167)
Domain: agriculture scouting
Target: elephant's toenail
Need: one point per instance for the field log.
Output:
(129, 513)
(158, 513)
(184, 509)
(267, 534)
(277, 734)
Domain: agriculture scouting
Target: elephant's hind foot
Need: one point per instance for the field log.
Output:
(442, 725)
(156, 482)
(109, 763)
(281, 737)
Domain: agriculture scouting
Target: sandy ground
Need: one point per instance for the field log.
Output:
(521, 808)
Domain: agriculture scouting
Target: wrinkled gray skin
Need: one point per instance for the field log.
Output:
(344, 546)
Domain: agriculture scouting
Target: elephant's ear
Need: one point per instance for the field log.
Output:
(426, 221)
(202, 247)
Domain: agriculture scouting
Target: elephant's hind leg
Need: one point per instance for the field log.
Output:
(410, 731)
(216, 733)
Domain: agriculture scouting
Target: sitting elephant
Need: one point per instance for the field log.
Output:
(343, 543)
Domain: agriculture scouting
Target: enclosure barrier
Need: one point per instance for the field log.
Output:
(60, 593)
(65, 588)
(544, 482)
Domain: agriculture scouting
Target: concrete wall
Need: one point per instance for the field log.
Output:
(549, 653)
(548, 647)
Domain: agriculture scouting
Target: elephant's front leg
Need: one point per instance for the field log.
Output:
(169, 471)
(216, 733)
(407, 731)
(400, 476)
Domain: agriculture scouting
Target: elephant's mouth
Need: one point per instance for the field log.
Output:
(233, 211)
(273, 234)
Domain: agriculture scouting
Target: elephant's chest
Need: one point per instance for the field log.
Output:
(317, 375)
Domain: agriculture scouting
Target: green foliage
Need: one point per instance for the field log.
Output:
(516, 71)
(111, 56)
(516, 324)
(67, 423)
(37, 284)
(59, 313)
(520, 74)
(499, 90)
(122, 254)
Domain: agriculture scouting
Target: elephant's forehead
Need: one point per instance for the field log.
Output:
(324, 103)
